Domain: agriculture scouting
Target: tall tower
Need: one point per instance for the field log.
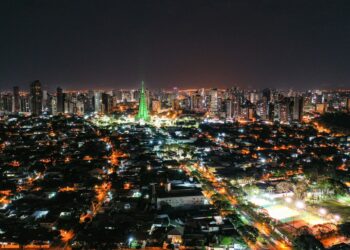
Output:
(16, 99)
(213, 102)
(36, 95)
(143, 111)
(298, 108)
(60, 100)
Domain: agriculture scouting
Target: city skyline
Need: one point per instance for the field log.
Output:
(175, 124)
(115, 44)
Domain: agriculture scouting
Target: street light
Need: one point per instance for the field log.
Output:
(300, 204)
(337, 217)
(288, 200)
(322, 211)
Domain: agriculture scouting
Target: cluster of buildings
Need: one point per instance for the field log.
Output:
(66, 180)
(223, 104)
(88, 181)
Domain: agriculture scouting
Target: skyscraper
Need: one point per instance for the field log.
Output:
(36, 97)
(16, 104)
(143, 111)
(213, 102)
(298, 107)
(60, 100)
(106, 103)
(97, 102)
(228, 109)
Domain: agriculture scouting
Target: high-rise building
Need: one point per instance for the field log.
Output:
(36, 98)
(6, 103)
(97, 102)
(263, 109)
(45, 101)
(89, 102)
(106, 103)
(156, 106)
(228, 109)
(175, 104)
(197, 102)
(60, 100)
(321, 108)
(213, 101)
(236, 106)
(267, 94)
(53, 105)
(298, 107)
(25, 103)
(16, 104)
(143, 110)
(126, 96)
(348, 104)
(118, 96)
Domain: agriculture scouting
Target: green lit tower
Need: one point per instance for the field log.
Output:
(143, 111)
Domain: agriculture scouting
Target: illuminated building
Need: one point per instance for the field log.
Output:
(251, 113)
(126, 96)
(97, 102)
(6, 103)
(284, 110)
(79, 108)
(156, 106)
(197, 102)
(175, 105)
(262, 108)
(16, 103)
(236, 106)
(143, 111)
(36, 97)
(213, 101)
(53, 105)
(24, 103)
(228, 109)
(321, 107)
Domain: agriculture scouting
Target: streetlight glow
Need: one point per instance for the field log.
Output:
(300, 204)
(322, 211)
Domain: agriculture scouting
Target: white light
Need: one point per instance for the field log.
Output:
(337, 217)
(300, 204)
(322, 211)
(288, 200)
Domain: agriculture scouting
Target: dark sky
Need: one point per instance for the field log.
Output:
(114, 44)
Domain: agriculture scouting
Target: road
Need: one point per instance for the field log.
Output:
(269, 235)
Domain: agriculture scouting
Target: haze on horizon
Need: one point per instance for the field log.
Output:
(203, 43)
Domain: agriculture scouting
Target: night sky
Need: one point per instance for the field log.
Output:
(114, 44)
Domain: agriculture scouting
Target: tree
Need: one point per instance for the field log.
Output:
(330, 187)
(307, 242)
(251, 189)
(270, 189)
(300, 190)
(344, 229)
(226, 240)
(284, 187)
